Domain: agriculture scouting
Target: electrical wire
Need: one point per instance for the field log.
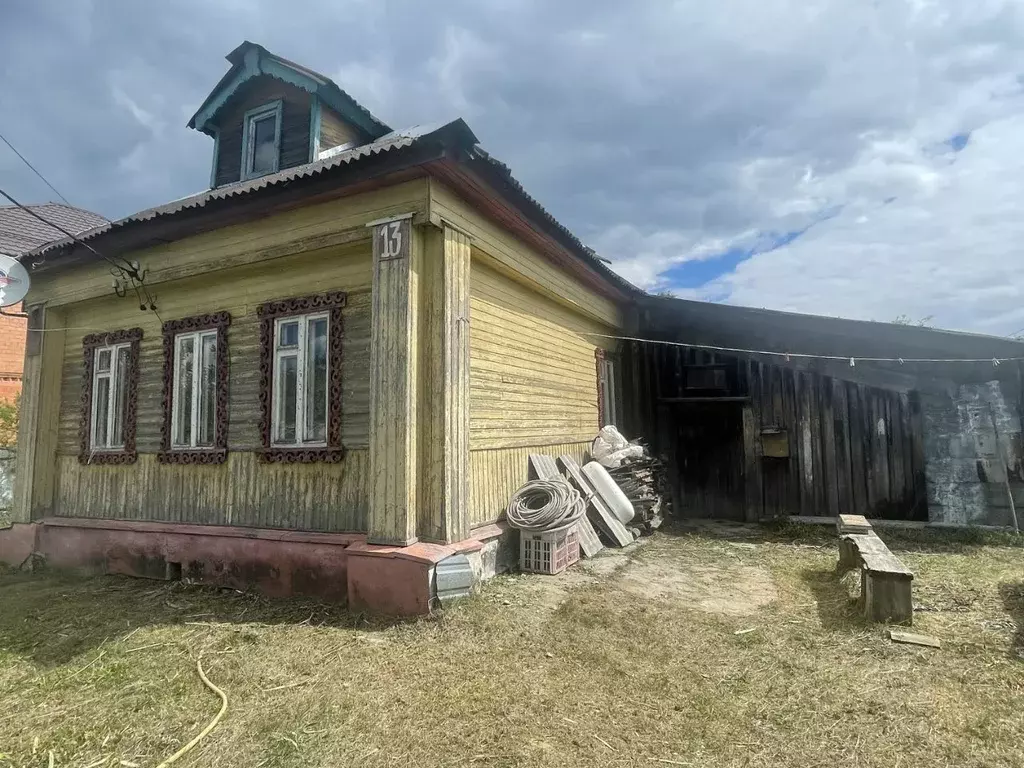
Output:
(545, 505)
(37, 173)
(127, 269)
(807, 355)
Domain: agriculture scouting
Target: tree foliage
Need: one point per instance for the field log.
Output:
(9, 421)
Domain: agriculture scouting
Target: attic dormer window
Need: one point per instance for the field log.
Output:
(261, 140)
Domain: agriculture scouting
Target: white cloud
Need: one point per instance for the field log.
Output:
(660, 133)
(950, 247)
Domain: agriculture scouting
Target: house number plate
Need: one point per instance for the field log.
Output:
(391, 240)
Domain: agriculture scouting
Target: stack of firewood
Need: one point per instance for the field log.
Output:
(644, 482)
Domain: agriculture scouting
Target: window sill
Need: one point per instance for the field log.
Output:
(118, 456)
(197, 456)
(301, 455)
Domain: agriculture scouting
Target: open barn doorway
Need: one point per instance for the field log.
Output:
(709, 460)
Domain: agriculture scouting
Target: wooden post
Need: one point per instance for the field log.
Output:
(397, 256)
(36, 468)
(444, 386)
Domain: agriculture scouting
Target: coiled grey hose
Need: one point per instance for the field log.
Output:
(545, 505)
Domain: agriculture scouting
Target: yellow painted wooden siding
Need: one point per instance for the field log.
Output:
(533, 377)
(533, 384)
(309, 228)
(514, 258)
(334, 131)
(496, 473)
(314, 497)
(394, 392)
(243, 491)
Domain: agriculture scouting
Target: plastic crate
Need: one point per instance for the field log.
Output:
(548, 551)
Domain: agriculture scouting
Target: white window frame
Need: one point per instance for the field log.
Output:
(113, 375)
(299, 352)
(610, 393)
(274, 108)
(176, 400)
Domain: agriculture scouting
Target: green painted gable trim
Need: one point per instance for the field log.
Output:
(256, 61)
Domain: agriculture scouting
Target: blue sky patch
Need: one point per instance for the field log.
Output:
(693, 274)
(958, 141)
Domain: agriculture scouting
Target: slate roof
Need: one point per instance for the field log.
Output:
(388, 143)
(21, 231)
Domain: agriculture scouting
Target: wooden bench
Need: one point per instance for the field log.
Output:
(885, 582)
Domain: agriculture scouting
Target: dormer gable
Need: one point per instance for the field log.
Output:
(267, 114)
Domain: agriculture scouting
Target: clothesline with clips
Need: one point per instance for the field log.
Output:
(852, 359)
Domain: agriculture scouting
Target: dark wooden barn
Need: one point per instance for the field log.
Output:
(754, 429)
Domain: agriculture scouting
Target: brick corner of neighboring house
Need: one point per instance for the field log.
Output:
(12, 353)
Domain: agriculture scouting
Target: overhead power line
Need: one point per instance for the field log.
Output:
(126, 269)
(34, 170)
(852, 359)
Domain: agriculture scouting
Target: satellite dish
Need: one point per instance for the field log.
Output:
(13, 281)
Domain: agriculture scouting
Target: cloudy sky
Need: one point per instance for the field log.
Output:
(854, 158)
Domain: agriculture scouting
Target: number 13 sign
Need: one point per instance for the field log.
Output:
(391, 240)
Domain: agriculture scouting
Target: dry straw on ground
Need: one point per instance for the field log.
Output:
(606, 674)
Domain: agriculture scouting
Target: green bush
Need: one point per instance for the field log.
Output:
(9, 421)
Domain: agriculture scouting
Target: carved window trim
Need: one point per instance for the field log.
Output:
(218, 454)
(90, 343)
(333, 303)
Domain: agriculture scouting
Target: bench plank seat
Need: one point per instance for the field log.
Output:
(885, 582)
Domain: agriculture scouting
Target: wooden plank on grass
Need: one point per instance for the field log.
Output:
(598, 512)
(912, 638)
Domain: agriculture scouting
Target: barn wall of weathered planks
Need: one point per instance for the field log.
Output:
(819, 445)
(759, 435)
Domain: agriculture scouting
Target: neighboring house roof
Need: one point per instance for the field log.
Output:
(20, 231)
(250, 60)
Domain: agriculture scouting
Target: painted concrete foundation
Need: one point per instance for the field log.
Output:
(395, 581)
(972, 441)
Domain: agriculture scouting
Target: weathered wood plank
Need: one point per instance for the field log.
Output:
(829, 464)
(841, 424)
(752, 475)
(38, 428)
(857, 439)
(883, 427)
(805, 444)
(393, 366)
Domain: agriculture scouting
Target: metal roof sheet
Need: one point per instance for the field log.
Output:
(388, 143)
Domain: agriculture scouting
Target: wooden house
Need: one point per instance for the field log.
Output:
(321, 375)
(324, 374)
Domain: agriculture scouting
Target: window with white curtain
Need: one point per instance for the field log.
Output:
(300, 380)
(194, 395)
(109, 390)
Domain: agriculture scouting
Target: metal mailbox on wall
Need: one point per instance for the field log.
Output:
(775, 442)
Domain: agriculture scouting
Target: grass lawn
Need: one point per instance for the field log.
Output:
(647, 664)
